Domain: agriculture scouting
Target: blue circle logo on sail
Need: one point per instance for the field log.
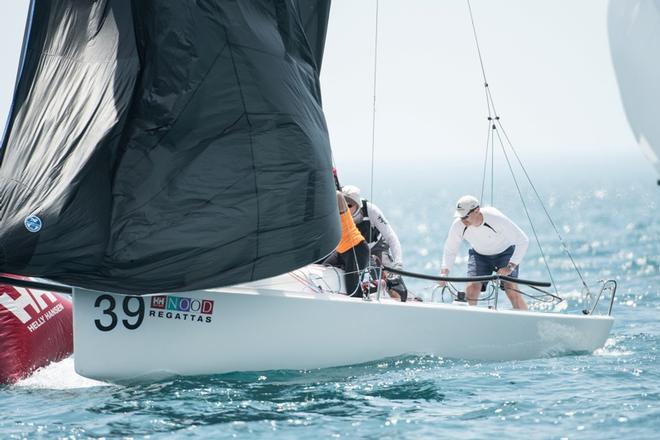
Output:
(33, 223)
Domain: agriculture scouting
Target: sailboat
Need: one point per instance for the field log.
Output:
(633, 34)
(168, 164)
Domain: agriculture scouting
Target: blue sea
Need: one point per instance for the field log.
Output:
(607, 214)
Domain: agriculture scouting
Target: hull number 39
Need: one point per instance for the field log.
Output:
(131, 318)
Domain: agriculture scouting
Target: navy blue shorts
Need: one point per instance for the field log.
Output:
(479, 265)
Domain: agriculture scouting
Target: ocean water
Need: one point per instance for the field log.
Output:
(610, 223)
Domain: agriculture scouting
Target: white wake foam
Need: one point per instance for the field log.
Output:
(58, 376)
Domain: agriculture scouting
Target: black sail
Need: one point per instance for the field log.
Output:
(167, 145)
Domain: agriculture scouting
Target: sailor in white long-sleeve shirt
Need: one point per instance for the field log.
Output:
(380, 237)
(497, 245)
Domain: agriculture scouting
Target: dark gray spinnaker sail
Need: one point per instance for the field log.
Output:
(167, 145)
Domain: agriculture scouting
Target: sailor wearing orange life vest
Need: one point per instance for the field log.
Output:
(352, 251)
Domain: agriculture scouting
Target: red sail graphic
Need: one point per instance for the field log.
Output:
(36, 328)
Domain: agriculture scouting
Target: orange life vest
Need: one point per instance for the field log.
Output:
(350, 234)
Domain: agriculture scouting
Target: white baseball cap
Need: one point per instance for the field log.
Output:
(466, 204)
(352, 192)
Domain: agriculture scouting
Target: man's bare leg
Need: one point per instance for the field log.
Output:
(394, 294)
(516, 298)
(473, 290)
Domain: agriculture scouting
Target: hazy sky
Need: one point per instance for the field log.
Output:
(548, 65)
(547, 62)
(12, 26)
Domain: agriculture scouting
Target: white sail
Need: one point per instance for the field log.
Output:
(634, 33)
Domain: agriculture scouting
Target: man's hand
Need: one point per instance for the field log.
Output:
(392, 276)
(443, 273)
(507, 270)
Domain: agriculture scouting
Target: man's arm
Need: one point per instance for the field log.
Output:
(452, 244)
(341, 202)
(521, 241)
(379, 221)
(516, 237)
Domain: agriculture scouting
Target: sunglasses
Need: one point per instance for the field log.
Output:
(469, 212)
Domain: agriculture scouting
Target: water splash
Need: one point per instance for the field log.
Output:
(58, 376)
(610, 349)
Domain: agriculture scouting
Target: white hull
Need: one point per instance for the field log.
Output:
(256, 328)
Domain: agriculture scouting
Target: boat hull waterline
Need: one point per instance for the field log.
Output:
(267, 325)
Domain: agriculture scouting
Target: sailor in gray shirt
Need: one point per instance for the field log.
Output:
(497, 245)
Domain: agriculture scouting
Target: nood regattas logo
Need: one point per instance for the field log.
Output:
(181, 308)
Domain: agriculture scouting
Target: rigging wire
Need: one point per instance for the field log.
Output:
(373, 133)
(373, 149)
(481, 62)
(561, 239)
(493, 115)
(492, 168)
(529, 218)
(373, 112)
(483, 179)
